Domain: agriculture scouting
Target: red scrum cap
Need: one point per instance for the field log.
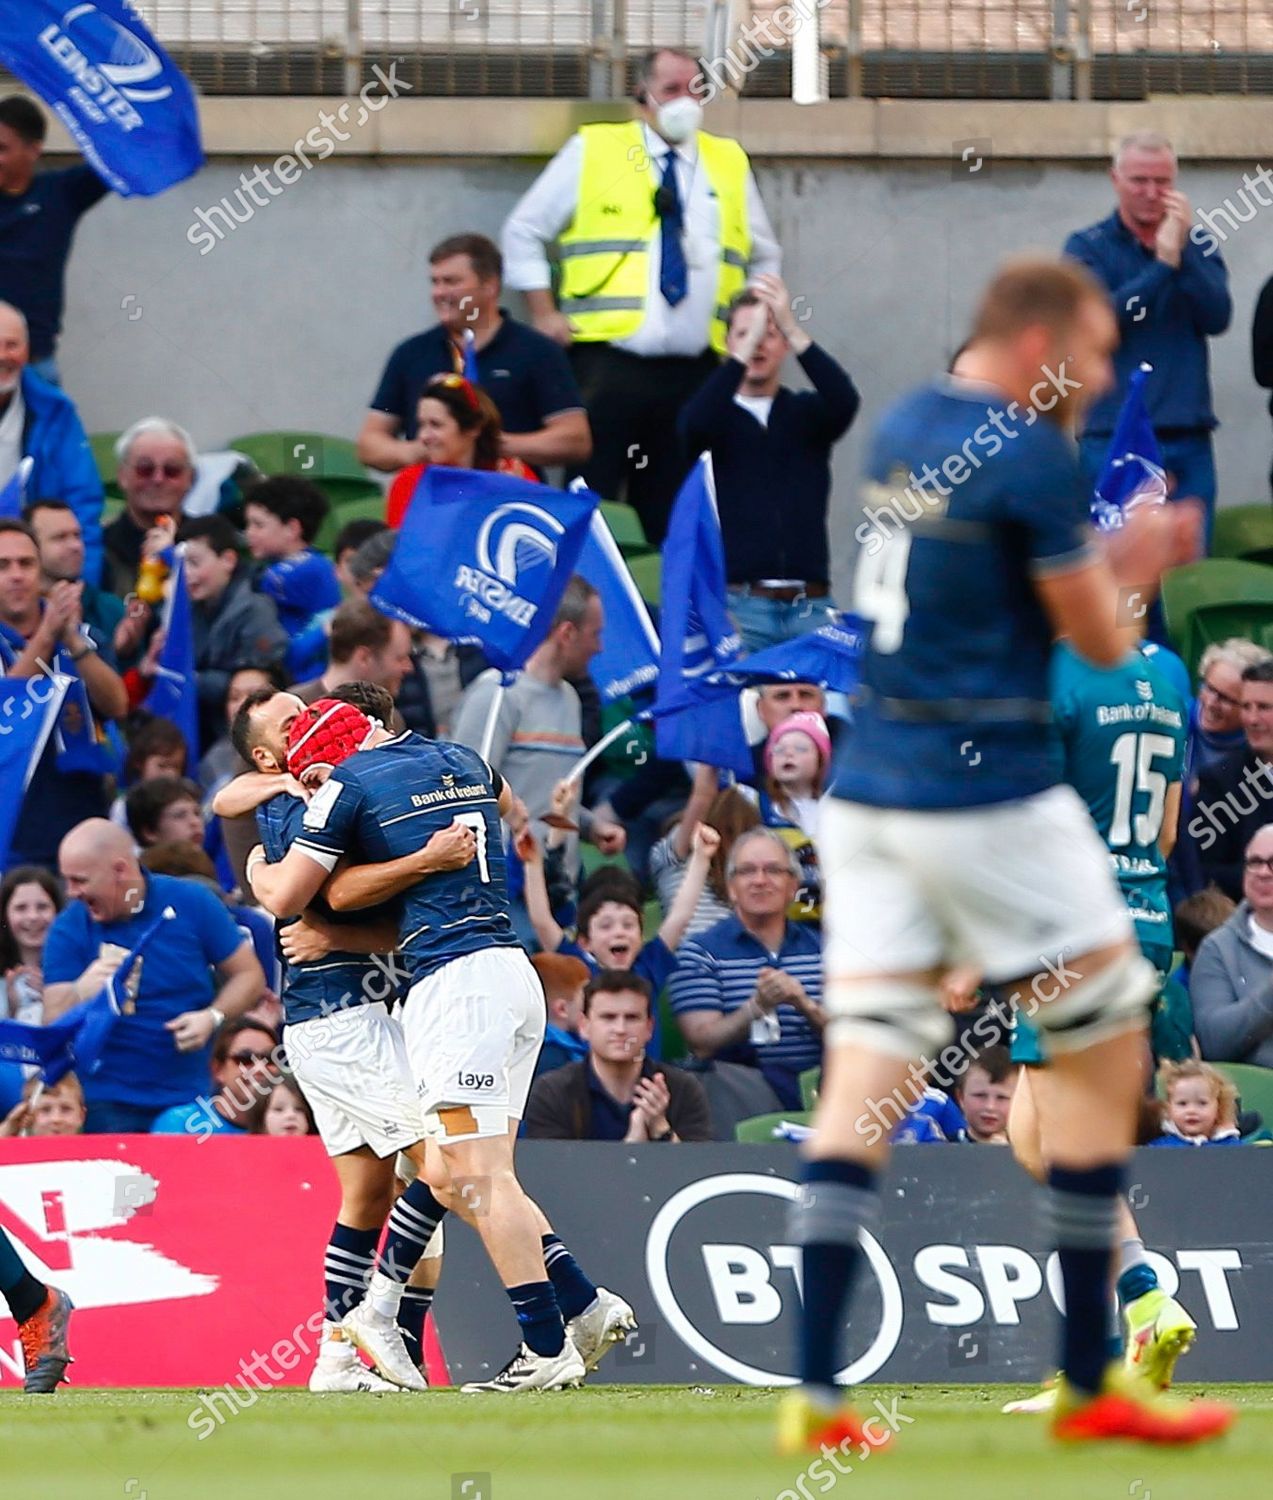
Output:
(325, 734)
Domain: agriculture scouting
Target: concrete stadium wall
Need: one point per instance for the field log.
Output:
(287, 320)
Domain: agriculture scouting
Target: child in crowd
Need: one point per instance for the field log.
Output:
(1200, 1106)
(797, 755)
(608, 923)
(730, 813)
(283, 1111)
(58, 1110)
(282, 517)
(349, 538)
(167, 809)
(156, 747)
(984, 1094)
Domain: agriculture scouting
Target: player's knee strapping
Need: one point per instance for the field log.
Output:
(897, 1017)
(1101, 1006)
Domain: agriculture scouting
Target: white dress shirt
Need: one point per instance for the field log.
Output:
(548, 206)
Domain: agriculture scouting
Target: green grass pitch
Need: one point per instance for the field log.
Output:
(621, 1443)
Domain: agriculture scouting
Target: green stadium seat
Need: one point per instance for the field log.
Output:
(647, 574)
(1254, 1086)
(1244, 531)
(102, 445)
(312, 455)
(625, 527)
(759, 1130)
(810, 1080)
(1210, 601)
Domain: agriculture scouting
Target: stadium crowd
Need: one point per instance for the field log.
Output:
(673, 910)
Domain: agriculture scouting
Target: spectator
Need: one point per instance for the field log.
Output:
(797, 760)
(608, 929)
(563, 979)
(1232, 798)
(60, 538)
(155, 468)
(525, 374)
(165, 810)
(58, 1111)
(984, 1095)
(538, 733)
(729, 813)
(38, 218)
(244, 1066)
(1231, 979)
(458, 426)
(37, 635)
(233, 625)
(349, 538)
(1262, 345)
(283, 1111)
(1169, 296)
(30, 898)
(39, 422)
(644, 284)
(749, 990)
(283, 516)
(1200, 1106)
(766, 440)
(616, 1093)
(157, 1054)
(363, 646)
(370, 561)
(1216, 722)
(221, 760)
(1171, 1035)
(1195, 917)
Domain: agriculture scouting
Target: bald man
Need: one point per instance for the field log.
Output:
(196, 974)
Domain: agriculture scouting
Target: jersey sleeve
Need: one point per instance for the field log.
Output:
(218, 933)
(1047, 496)
(66, 952)
(328, 825)
(390, 396)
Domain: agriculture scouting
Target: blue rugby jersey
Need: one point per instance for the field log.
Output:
(388, 802)
(341, 979)
(954, 709)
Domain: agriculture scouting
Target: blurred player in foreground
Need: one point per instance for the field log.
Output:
(949, 839)
(42, 1314)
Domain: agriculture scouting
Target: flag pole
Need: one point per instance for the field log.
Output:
(492, 718)
(586, 759)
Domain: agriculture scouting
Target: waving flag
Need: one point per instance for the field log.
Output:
(484, 557)
(470, 372)
(698, 637)
(123, 101)
(29, 707)
(13, 496)
(629, 657)
(830, 656)
(1133, 472)
(77, 1039)
(175, 694)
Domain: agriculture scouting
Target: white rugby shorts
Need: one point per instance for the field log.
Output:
(1003, 887)
(474, 1028)
(352, 1067)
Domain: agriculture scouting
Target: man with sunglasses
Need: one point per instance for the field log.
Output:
(155, 469)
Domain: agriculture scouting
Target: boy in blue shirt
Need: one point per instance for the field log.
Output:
(282, 517)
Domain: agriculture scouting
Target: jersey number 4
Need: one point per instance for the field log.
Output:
(879, 591)
(1134, 756)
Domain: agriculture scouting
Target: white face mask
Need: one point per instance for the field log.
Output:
(679, 119)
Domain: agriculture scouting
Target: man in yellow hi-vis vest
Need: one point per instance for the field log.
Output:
(658, 225)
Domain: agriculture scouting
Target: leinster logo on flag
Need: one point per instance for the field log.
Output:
(513, 540)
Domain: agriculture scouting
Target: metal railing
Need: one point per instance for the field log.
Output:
(976, 49)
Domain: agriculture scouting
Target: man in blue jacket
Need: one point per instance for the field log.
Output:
(1170, 293)
(38, 421)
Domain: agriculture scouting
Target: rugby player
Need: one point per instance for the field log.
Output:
(474, 1016)
(349, 1059)
(949, 838)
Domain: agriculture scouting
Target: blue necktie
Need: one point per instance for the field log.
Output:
(673, 276)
